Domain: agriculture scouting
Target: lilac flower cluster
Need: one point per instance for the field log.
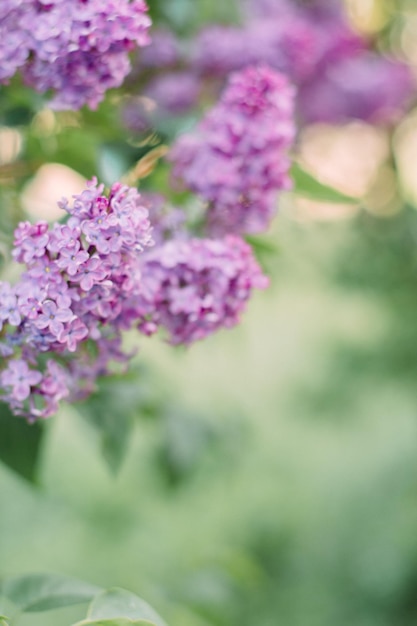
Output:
(193, 287)
(312, 43)
(76, 48)
(366, 87)
(237, 159)
(88, 280)
(61, 324)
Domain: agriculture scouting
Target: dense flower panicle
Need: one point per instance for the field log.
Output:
(78, 49)
(237, 159)
(366, 87)
(97, 275)
(78, 285)
(191, 288)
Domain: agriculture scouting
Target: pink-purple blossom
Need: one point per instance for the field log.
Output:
(364, 86)
(191, 288)
(71, 293)
(19, 378)
(61, 325)
(77, 49)
(237, 159)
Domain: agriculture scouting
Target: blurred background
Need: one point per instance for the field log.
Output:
(271, 476)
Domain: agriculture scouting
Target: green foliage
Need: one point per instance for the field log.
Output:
(293, 500)
(114, 604)
(111, 410)
(20, 444)
(113, 420)
(115, 621)
(306, 185)
(43, 592)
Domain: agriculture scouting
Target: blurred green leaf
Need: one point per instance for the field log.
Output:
(112, 162)
(306, 185)
(118, 621)
(43, 592)
(122, 606)
(20, 444)
(111, 411)
(262, 245)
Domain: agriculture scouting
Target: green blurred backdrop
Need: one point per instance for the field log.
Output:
(278, 485)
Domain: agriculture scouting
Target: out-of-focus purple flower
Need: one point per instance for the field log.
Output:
(366, 87)
(191, 288)
(53, 388)
(288, 45)
(175, 92)
(237, 159)
(77, 49)
(14, 44)
(168, 222)
(297, 39)
(136, 114)
(30, 241)
(163, 51)
(9, 312)
(281, 8)
(219, 50)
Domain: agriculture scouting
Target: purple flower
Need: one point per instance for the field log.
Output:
(175, 92)
(77, 49)
(237, 160)
(70, 259)
(194, 287)
(30, 241)
(73, 334)
(62, 236)
(20, 378)
(90, 273)
(8, 306)
(53, 318)
(163, 51)
(69, 297)
(364, 86)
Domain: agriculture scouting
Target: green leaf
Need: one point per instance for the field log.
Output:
(20, 444)
(262, 245)
(3, 620)
(306, 185)
(112, 162)
(121, 621)
(117, 604)
(43, 592)
(111, 411)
